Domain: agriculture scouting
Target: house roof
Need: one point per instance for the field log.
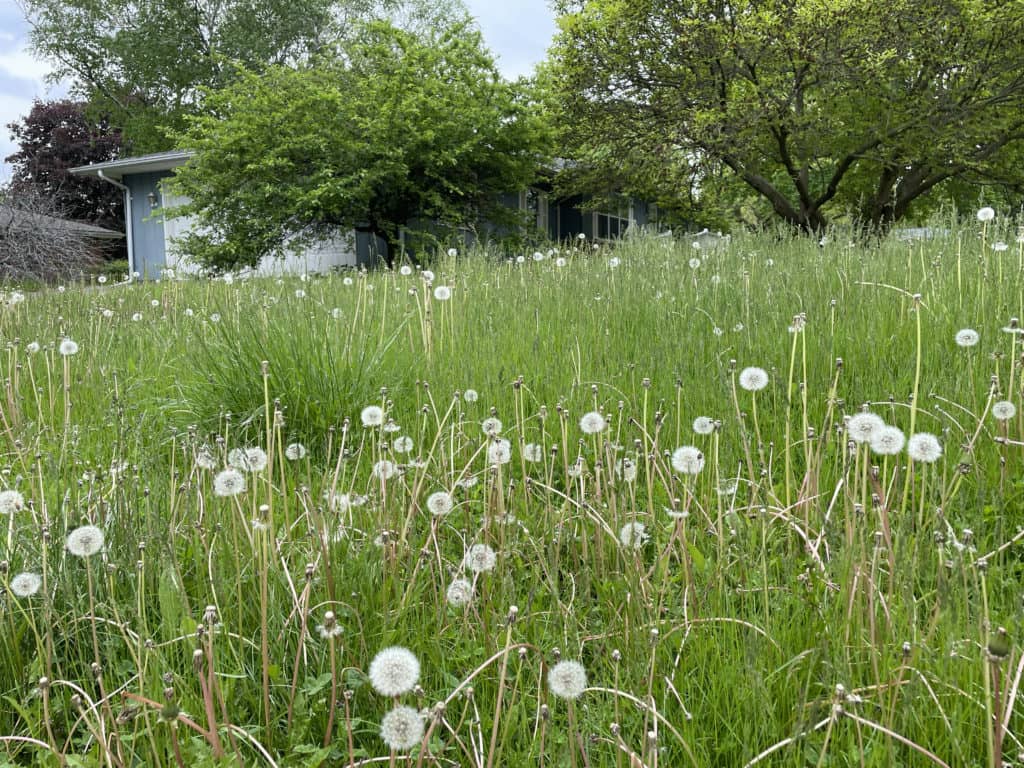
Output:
(117, 169)
(12, 218)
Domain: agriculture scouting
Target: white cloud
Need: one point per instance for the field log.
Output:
(20, 64)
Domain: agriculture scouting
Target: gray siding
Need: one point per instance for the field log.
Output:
(147, 230)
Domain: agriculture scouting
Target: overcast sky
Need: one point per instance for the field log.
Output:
(517, 31)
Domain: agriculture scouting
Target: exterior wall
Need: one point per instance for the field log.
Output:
(146, 250)
(329, 253)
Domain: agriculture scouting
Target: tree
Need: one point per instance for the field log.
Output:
(54, 137)
(37, 242)
(820, 107)
(145, 63)
(401, 127)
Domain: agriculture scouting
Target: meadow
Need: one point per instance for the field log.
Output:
(753, 503)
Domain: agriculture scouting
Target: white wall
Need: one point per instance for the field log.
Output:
(334, 251)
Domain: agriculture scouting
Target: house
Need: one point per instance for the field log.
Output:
(151, 236)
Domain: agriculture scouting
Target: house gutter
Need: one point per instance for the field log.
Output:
(127, 220)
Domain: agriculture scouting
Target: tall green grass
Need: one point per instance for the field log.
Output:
(798, 601)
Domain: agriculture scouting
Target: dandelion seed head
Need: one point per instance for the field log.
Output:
(229, 482)
(1004, 410)
(593, 422)
(533, 452)
(703, 425)
(687, 460)
(402, 444)
(295, 452)
(32, 347)
(567, 680)
(11, 501)
(372, 416)
(402, 728)
(694, 263)
(626, 469)
(967, 337)
(986, 214)
(491, 426)
(480, 558)
(405, 270)
(68, 347)
(84, 541)
(887, 441)
(440, 503)
(459, 593)
(862, 426)
(442, 293)
(470, 395)
(26, 584)
(753, 379)
(394, 671)
(385, 469)
(499, 451)
(633, 535)
(924, 447)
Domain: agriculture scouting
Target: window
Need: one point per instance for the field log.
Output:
(613, 225)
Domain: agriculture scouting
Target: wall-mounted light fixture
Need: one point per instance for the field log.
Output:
(152, 199)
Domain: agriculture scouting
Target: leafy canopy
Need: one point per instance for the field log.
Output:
(819, 107)
(402, 126)
(144, 63)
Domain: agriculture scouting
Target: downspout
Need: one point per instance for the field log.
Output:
(127, 220)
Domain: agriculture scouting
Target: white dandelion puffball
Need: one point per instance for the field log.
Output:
(11, 501)
(402, 444)
(459, 593)
(248, 459)
(391, 426)
(405, 270)
(68, 347)
(452, 253)
(428, 275)
(687, 460)
(32, 347)
(633, 535)
(567, 680)
(1004, 410)
(480, 558)
(499, 452)
(533, 452)
(440, 503)
(986, 214)
(136, 317)
(560, 262)
(215, 317)
(230, 482)
(347, 281)
(256, 459)
(578, 467)
(295, 452)
(614, 261)
(442, 293)
(593, 422)
(967, 337)
(385, 469)
(470, 395)
(372, 416)
(26, 584)
(924, 447)
(694, 263)
(401, 729)
(753, 379)
(84, 541)
(703, 425)
(999, 247)
(626, 469)
(394, 671)
(205, 458)
(862, 426)
(887, 441)
(491, 426)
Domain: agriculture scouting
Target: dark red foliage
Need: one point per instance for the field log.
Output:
(54, 137)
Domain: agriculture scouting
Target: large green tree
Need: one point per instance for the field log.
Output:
(822, 108)
(145, 63)
(402, 126)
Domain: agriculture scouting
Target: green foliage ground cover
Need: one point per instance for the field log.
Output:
(792, 563)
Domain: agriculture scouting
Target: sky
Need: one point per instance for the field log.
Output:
(517, 31)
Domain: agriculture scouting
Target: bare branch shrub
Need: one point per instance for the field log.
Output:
(37, 244)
